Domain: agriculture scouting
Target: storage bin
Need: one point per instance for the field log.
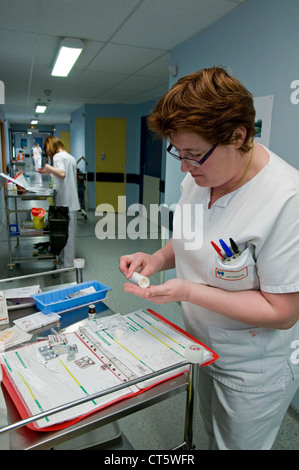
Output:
(58, 228)
(57, 300)
(38, 216)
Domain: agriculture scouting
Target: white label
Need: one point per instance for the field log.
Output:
(227, 275)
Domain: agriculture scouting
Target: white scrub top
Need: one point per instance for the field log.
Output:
(262, 217)
(66, 189)
(37, 156)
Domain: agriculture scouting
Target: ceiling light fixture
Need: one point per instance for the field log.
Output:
(68, 53)
(40, 108)
(34, 121)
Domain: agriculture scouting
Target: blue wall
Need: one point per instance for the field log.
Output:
(259, 42)
(77, 128)
(83, 125)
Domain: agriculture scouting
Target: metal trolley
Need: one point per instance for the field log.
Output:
(25, 438)
(18, 251)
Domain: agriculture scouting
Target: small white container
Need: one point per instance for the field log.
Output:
(12, 188)
(140, 280)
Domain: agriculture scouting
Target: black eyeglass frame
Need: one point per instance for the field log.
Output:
(192, 160)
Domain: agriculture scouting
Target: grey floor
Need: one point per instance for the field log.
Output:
(159, 427)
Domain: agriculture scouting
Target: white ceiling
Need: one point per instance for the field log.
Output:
(125, 59)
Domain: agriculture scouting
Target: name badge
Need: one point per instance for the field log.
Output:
(228, 275)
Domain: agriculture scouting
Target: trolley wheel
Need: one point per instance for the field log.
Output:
(56, 265)
(10, 272)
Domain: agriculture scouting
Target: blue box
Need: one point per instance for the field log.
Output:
(57, 300)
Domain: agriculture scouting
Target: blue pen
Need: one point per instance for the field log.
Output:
(227, 250)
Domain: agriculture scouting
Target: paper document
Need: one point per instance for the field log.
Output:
(21, 181)
(141, 341)
(106, 352)
(21, 292)
(44, 384)
(36, 320)
(21, 297)
(12, 337)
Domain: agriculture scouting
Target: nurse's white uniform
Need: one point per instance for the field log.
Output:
(37, 157)
(67, 196)
(245, 393)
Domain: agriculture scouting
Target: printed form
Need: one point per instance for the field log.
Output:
(142, 342)
(43, 385)
(107, 353)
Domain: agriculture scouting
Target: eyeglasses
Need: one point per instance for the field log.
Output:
(193, 159)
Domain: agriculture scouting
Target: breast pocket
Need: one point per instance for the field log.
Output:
(237, 273)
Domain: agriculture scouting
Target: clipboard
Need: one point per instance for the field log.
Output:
(111, 352)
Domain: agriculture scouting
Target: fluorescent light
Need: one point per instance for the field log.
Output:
(34, 121)
(68, 53)
(40, 108)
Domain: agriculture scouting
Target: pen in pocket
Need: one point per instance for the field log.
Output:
(217, 249)
(234, 247)
(227, 250)
(231, 252)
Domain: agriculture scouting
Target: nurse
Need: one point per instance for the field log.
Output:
(243, 300)
(64, 173)
(37, 156)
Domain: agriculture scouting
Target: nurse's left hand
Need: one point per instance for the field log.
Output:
(174, 290)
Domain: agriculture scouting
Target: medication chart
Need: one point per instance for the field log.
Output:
(105, 353)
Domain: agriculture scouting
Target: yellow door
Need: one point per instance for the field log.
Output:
(65, 137)
(110, 162)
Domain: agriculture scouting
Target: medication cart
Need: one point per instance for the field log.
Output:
(139, 383)
(27, 243)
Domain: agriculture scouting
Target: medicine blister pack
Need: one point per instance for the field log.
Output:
(51, 352)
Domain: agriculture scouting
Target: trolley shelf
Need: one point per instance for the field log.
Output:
(18, 251)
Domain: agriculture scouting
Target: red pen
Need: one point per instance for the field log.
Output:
(217, 249)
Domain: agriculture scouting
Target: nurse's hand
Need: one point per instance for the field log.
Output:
(44, 170)
(174, 290)
(141, 262)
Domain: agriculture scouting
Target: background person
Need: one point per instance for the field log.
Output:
(246, 312)
(20, 156)
(37, 156)
(64, 173)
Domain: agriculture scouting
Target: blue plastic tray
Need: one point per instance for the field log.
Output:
(57, 300)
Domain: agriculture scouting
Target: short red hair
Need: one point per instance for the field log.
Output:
(210, 103)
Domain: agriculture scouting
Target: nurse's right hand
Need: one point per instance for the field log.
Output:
(141, 262)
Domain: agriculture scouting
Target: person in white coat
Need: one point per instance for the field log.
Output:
(239, 296)
(64, 173)
(37, 156)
